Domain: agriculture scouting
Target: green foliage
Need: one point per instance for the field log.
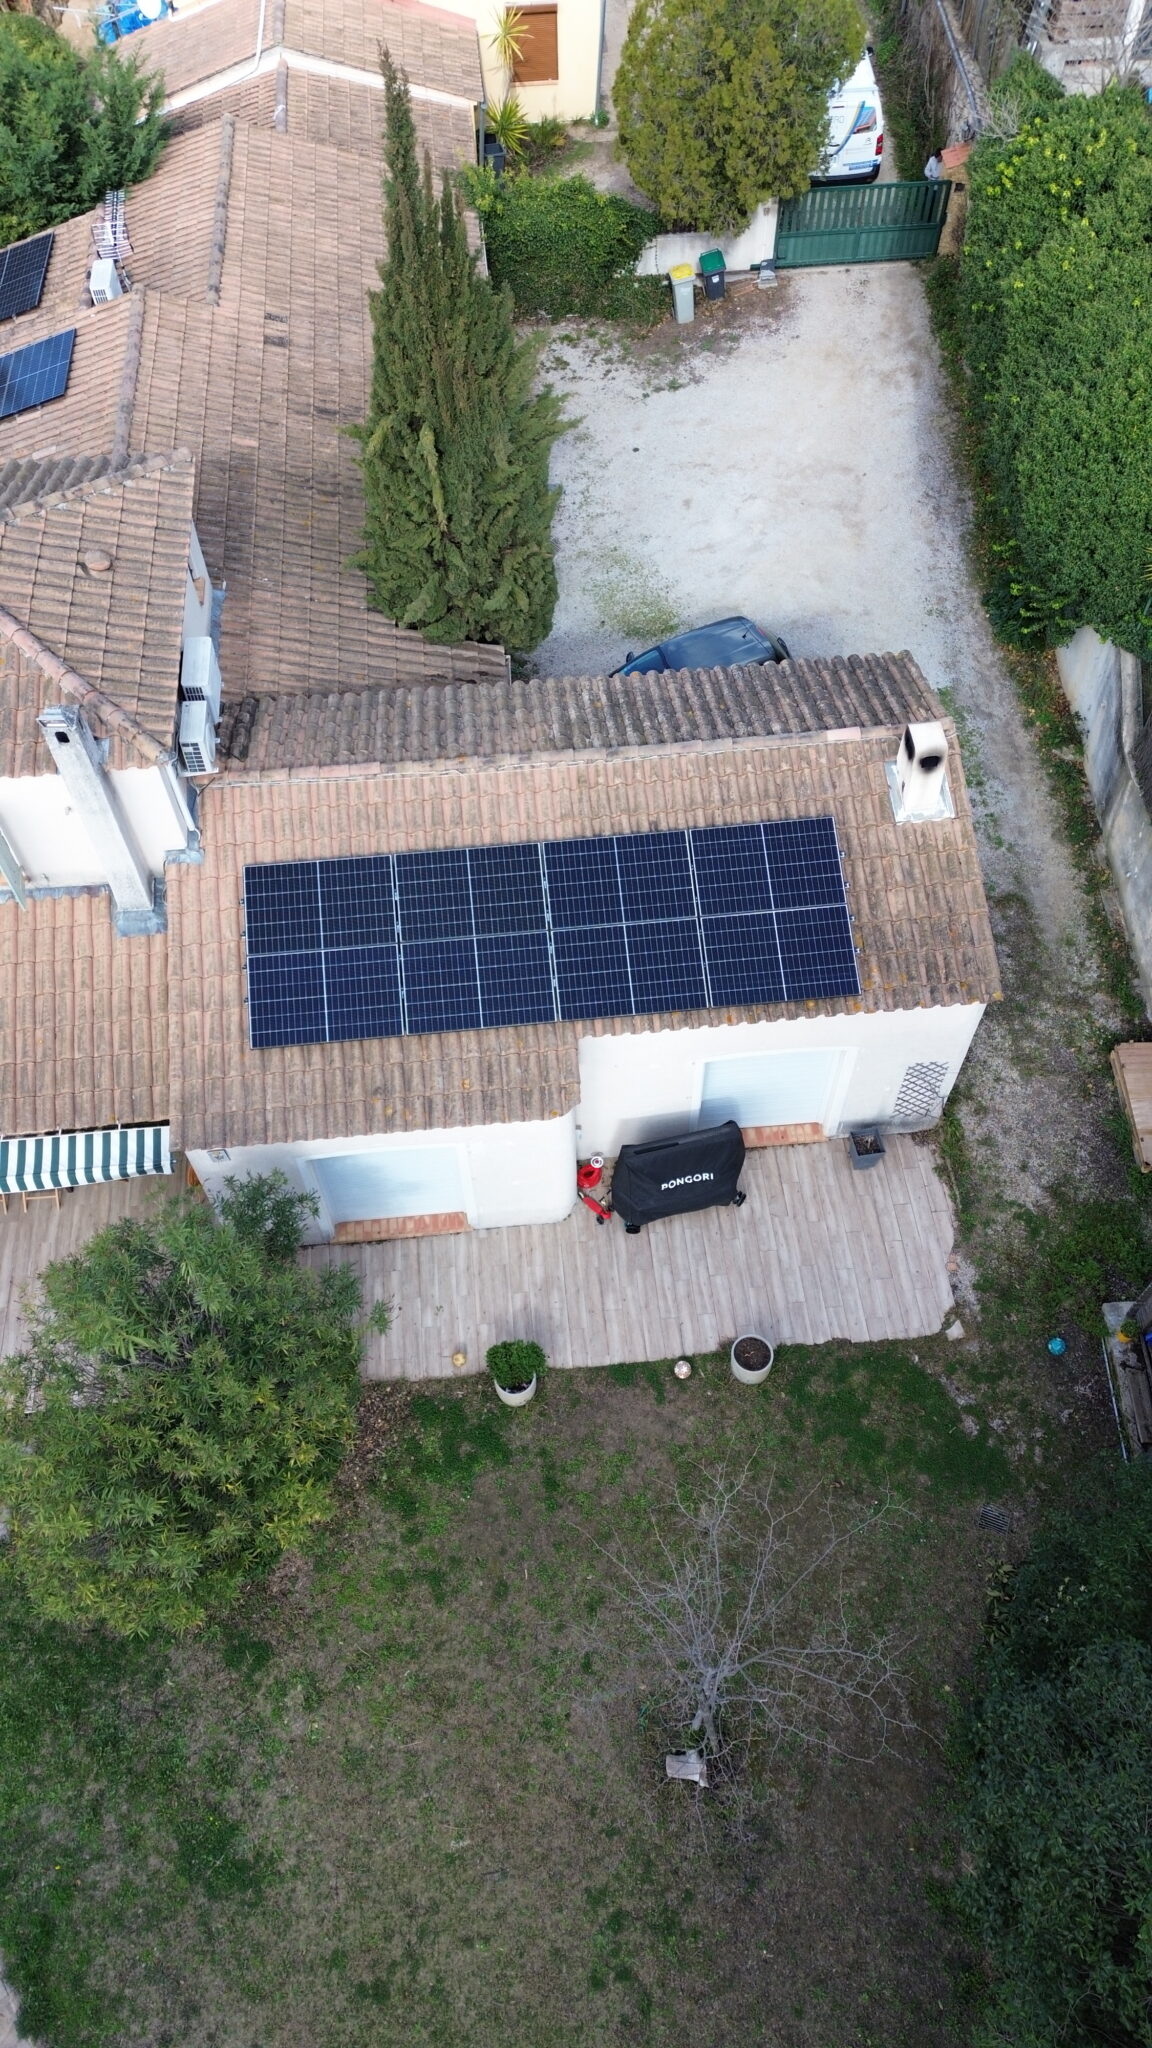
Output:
(723, 103)
(1056, 1781)
(562, 248)
(1057, 282)
(886, 1421)
(513, 1363)
(71, 127)
(507, 124)
(543, 139)
(454, 453)
(177, 1420)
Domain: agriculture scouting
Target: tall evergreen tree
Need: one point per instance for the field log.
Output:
(71, 126)
(458, 533)
(724, 103)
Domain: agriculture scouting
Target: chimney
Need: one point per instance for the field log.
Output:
(79, 758)
(917, 777)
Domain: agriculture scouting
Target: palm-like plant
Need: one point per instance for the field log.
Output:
(507, 38)
(507, 124)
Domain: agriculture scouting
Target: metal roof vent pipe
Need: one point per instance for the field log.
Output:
(918, 777)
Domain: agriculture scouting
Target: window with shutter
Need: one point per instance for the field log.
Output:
(538, 62)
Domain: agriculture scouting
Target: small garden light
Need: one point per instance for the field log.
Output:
(683, 1368)
(1057, 1346)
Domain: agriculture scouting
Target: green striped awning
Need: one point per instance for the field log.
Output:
(78, 1159)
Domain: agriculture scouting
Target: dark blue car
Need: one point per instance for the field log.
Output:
(724, 644)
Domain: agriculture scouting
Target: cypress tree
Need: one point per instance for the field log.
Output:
(458, 528)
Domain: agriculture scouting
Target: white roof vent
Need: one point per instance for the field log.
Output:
(104, 282)
(197, 739)
(917, 778)
(200, 674)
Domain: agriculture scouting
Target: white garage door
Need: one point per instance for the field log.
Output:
(416, 1181)
(770, 1088)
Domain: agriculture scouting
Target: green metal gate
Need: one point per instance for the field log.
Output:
(862, 223)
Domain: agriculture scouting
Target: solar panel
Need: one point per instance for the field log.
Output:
(23, 266)
(475, 937)
(33, 375)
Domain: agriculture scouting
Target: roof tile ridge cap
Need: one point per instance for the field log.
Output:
(96, 486)
(26, 642)
(129, 377)
(275, 29)
(910, 668)
(220, 211)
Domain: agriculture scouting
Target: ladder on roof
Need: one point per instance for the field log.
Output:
(110, 229)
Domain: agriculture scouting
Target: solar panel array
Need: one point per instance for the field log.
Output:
(391, 944)
(23, 266)
(31, 376)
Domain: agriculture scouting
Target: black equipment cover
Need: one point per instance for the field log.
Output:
(672, 1175)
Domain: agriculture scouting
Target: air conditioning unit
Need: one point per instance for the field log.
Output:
(104, 282)
(917, 777)
(197, 739)
(200, 674)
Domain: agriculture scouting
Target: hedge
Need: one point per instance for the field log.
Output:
(563, 249)
(1057, 291)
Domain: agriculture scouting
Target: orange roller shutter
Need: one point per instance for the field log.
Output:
(539, 58)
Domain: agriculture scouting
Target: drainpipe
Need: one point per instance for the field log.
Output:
(600, 59)
(79, 758)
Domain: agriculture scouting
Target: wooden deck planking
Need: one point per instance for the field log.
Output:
(29, 1242)
(816, 1252)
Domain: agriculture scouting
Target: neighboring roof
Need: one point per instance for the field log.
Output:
(247, 340)
(98, 574)
(226, 44)
(567, 713)
(914, 891)
(83, 1018)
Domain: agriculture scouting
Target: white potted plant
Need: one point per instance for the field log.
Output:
(515, 1367)
(751, 1360)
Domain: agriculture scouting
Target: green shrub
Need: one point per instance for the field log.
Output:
(513, 1363)
(176, 1423)
(71, 126)
(1057, 310)
(724, 103)
(564, 249)
(1055, 1772)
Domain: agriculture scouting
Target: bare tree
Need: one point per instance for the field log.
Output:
(747, 1624)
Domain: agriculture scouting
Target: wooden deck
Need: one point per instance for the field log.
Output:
(817, 1251)
(29, 1242)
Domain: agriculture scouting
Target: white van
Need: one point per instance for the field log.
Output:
(855, 128)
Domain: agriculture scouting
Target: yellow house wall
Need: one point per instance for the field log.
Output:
(572, 97)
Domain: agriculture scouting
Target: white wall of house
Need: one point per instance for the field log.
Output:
(198, 593)
(1103, 684)
(496, 1174)
(51, 843)
(839, 1072)
(572, 94)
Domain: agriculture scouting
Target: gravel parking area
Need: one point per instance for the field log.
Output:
(789, 456)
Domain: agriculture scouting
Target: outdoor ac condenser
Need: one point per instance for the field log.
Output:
(104, 282)
(197, 739)
(200, 674)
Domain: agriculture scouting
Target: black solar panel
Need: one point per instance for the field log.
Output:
(31, 376)
(22, 270)
(480, 936)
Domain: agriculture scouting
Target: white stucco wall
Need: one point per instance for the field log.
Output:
(745, 251)
(1102, 684)
(644, 1085)
(197, 602)
(511, 1173)
(51, 843)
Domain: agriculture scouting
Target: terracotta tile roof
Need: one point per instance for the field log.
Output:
(357, 727)
(915, 893)
(185, 48)
(287, 235)
(351, 117)
(434, 48)
(252, 100)
(98, 574)
(438, 50)
(83, 1018)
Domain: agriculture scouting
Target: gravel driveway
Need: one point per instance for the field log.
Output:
(791, 459)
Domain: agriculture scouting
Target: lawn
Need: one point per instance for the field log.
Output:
(413, 1793)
